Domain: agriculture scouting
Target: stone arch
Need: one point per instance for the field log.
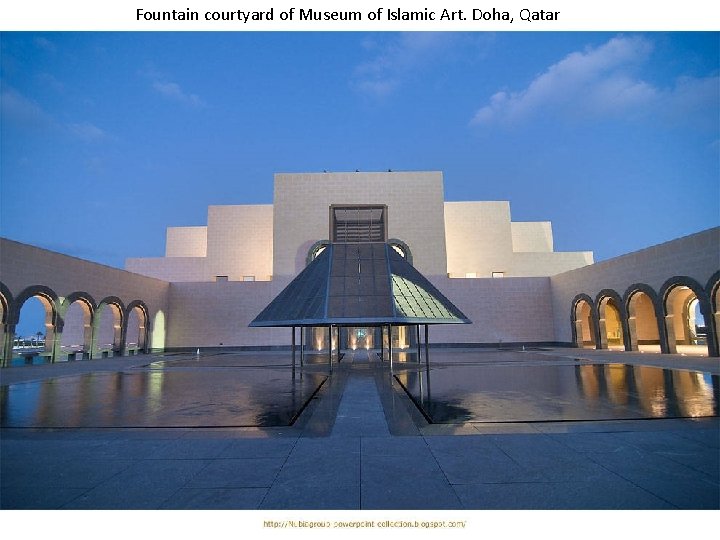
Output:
(583, 319)
(674, 296)
(713, 323)
(315, 250)
(108, 335)
(612, 320)
(138, 308)
(6, 302)
(402, 248)
(77, 336)
(34, 290)
(7, 332)
(53, 320)
(644, 314)
(74, 297)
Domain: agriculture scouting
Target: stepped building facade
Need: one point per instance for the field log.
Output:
(502, 276)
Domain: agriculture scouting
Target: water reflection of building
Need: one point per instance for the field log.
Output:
(655, 391)
(502, 393)
(179, 397)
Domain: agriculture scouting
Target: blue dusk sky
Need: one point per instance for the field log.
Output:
(108, 138)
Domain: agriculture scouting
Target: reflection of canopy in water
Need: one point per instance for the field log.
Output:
(366, 284)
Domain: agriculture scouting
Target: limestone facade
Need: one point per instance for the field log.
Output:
(107, 311)
(263, 242)
(215, 278)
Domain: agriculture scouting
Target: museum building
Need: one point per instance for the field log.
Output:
(363, 252)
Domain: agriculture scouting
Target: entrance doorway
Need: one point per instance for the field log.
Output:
(361, 337)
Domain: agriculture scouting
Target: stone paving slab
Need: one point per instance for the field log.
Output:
(42, 448)
(674, 482)
(135, 449)
(328, 469)
(486, 468)
(238, 473)
(420, 493)
(26, 497)
(146, 484)
(708, 437)
(193, 449)
(400, 470)
(382, 458)
(393, 446)
(215, 499)
(51, 474)
(590, 495)
(313, 495)
(373, 472)
(259, 448)
(658, 442)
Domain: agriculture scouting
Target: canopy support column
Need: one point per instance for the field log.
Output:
(390, 347)
(302, 346)
(293, 352)
(427, 361)
(427, 348)
(382, 343)
(417, 340)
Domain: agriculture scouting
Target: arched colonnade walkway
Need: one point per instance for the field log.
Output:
(683, 315)
(77, 326)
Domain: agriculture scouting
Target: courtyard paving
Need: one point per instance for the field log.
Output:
(362, 444)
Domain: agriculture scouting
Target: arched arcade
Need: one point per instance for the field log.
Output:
(681, 318)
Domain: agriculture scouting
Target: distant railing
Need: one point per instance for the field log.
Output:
(28, 343)
(700, 337)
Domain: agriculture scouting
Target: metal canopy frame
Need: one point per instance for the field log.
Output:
(354, 284)
(359, 284)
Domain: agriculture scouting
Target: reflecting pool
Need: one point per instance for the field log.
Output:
(189, 395)
(535, 393)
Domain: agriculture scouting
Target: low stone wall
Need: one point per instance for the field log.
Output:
(59, 280)
(692, 261)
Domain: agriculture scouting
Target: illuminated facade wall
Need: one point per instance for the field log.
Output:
(98, 310)
(236, 245)
(215, 278)
(186, 242)
(450, 242)
(651, 289)
(482, 241)
(455, 239)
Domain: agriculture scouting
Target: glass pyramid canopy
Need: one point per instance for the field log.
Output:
(359, 284)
